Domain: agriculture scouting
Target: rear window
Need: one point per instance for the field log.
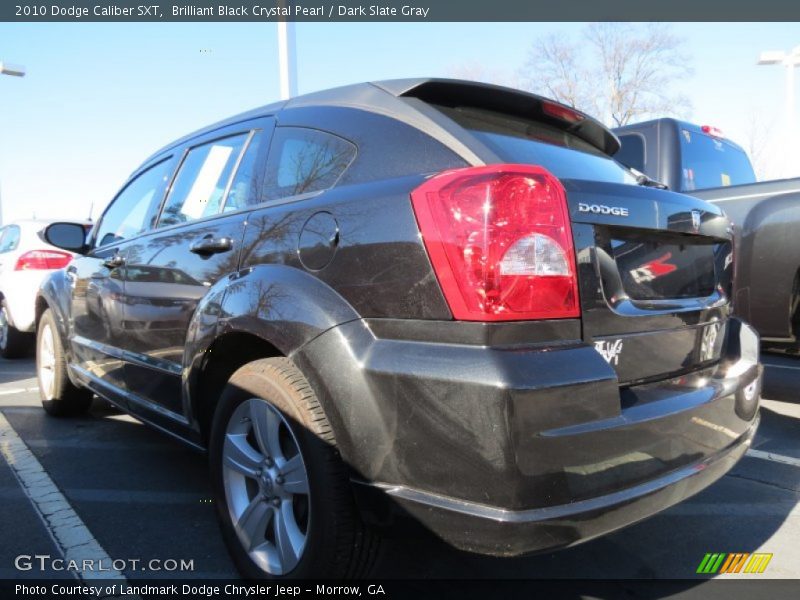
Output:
(708, 162)
(517, 140)
(631, 153)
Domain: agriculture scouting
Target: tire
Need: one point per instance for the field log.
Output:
(60, 397)
(13, 342)
(261, 399)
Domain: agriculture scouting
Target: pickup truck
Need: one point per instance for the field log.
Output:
(699, 161)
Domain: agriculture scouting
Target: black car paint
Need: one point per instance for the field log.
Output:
(501, 437)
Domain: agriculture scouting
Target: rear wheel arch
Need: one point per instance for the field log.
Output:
(270, 311)
(771, 291)
(221, 360)
(41, 306)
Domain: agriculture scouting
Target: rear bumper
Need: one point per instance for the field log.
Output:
(19, 289)
(499, 532)
(508, 450)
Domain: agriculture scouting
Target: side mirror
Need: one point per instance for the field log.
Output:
(67, 236)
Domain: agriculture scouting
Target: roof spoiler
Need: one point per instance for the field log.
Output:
(454, 92)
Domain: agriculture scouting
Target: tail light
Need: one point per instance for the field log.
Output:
(561, 112)
(714, 132)
(42, 259)
(500, 242)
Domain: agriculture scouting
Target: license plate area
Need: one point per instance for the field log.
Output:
(662, 266)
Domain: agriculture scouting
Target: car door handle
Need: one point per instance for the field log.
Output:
(114, 262)
(209, 245)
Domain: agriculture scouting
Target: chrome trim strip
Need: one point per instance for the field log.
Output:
(502, 515)
(141, 360)
(129, 396)
(759, 195)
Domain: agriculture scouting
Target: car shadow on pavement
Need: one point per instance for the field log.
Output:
(145, 495)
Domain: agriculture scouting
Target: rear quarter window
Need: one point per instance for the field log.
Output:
(631, 153)
(302, 161)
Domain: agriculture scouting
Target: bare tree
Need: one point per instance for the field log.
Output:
(757, 137)
(555, 69)
(620, 72)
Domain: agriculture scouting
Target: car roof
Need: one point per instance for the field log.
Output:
(384, 97)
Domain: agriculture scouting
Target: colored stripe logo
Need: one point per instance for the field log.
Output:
(734, 562)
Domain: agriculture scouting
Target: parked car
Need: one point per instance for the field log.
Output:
(698, 160)
(417, 299)
(25, 260)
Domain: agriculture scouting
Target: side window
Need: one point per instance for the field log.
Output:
(9, 238)
(201, 181)
(631, 154)
(242, 192)
(301, 161)
(128, 215)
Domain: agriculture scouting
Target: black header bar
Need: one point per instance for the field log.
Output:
(397, 11)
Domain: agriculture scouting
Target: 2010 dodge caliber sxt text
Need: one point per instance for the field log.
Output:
(419, 299)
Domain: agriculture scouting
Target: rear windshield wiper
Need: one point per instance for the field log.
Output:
(646, 181)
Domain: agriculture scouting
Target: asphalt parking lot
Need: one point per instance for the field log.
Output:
(142, 495)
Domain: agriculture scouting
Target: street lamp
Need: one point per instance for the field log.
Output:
(13, 70)
(790, 60)
(287, 63)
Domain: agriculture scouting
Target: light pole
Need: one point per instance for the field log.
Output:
(286, 55)
(14, 71)
(790, 60)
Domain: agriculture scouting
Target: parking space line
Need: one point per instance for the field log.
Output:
(67, 529)
(11, 391)
(771, 456)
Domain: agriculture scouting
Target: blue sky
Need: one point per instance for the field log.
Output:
(99, 98)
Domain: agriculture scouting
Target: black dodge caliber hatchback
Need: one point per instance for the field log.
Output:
(419, 299)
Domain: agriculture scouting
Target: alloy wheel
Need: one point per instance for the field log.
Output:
(3, 328)
(266, 486)
(46, 363)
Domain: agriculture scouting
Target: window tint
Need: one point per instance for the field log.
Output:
(129, 213)
(304, 160)
(9, 238)
(708, 162)
(518, 140)
(631, 154)
(242, 193)
(200, 185)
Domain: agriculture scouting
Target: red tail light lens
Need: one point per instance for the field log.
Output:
(42, 259)
(713, 131)
(500, 242)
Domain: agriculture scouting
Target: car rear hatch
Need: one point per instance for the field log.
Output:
(654, 267)
(654, 270)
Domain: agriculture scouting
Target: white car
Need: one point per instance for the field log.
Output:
(25, 259)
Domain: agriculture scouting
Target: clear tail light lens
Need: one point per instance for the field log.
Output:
(42, 260)
(500, 242)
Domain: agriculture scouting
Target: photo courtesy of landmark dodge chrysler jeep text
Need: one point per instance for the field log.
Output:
(383, 302)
